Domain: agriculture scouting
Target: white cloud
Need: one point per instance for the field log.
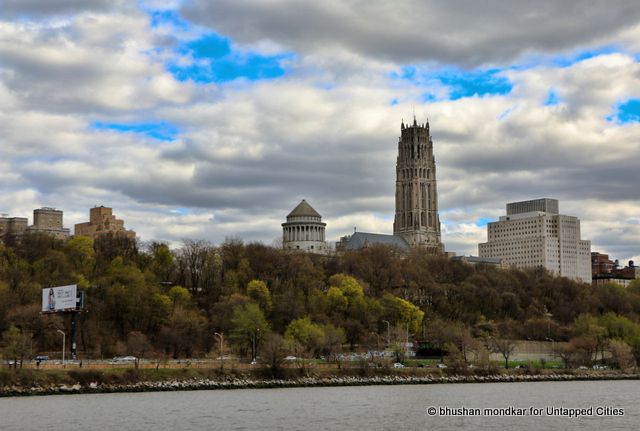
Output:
(247, 152)
(461, 31)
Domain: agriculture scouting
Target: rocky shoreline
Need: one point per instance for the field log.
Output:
(240, 383)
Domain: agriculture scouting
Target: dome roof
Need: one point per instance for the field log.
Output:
(303, 210)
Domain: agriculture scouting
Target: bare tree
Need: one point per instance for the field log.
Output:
(622, 354)
(192, 258)
(138, 344)
(274, 351)
(503, 346)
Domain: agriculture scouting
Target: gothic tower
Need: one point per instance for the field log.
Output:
(417, 219)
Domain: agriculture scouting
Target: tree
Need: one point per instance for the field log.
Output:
(503, 346)
(584, 349)
(249, 327)
(274, 352)
(162, 261)
(402, 312)
(184, 333)
(258, 291)
(111, 246)
(588, 326)
(622, 355)
(138, 344)
(192, 258)
(334, 338)
(81, 254)
(16, 345)
(567, 353)
(306, 333)
(179, 296)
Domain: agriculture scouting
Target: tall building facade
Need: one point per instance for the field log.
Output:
(416, 218)
(12, 227)
(304, 230)
(535, 234)
(102, 222)
(45, 220)
(49, 220)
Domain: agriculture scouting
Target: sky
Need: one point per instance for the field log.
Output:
(198, 119)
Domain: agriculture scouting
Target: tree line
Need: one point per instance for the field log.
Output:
(153, 300)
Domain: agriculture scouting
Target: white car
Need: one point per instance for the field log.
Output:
(121, 359)
(398, 365)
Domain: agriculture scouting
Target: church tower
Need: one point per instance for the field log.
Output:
(416, 218)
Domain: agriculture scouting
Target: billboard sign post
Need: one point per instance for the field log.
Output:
(61, 298)
(64, 299)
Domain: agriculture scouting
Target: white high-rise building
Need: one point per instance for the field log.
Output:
(534, 234)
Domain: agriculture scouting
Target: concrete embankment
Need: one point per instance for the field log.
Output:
(241, 383)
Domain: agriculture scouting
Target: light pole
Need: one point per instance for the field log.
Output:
(388, 332)
(221, 339)
(377, 340)
(406, 342)
(553, 347)
(64, 336)
(255, 334)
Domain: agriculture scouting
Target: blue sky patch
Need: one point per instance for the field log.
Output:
(171, 17)
(181, 211)
(460, 83)
(627, 112)
(161, 130)
(215, 60)
(577, 57)
(474, 83)
(552, 98)
(482, 222)
(429, 97)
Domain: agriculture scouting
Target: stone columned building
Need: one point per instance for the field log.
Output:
(304, 230)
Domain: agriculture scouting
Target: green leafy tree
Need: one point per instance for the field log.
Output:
(81, 255)
(308, 334)
(248, 328)
(179, 296)
(162, 261)
(402, 312)
(259, 292)
(16, 345)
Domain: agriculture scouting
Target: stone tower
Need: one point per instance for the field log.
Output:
(416, 218)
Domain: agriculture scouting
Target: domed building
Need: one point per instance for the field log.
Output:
(304, 230)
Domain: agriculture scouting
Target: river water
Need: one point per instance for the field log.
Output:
(337, 408)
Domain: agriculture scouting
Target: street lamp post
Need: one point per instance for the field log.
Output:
(255, 335)
(388, 332)
(221, 340)
(64, 336)
(553, 346)
(406, 342)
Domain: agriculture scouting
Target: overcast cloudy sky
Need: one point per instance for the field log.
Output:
(210, 119)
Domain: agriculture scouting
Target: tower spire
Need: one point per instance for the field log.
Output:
(416, 219)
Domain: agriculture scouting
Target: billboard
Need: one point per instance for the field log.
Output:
(59, 298)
